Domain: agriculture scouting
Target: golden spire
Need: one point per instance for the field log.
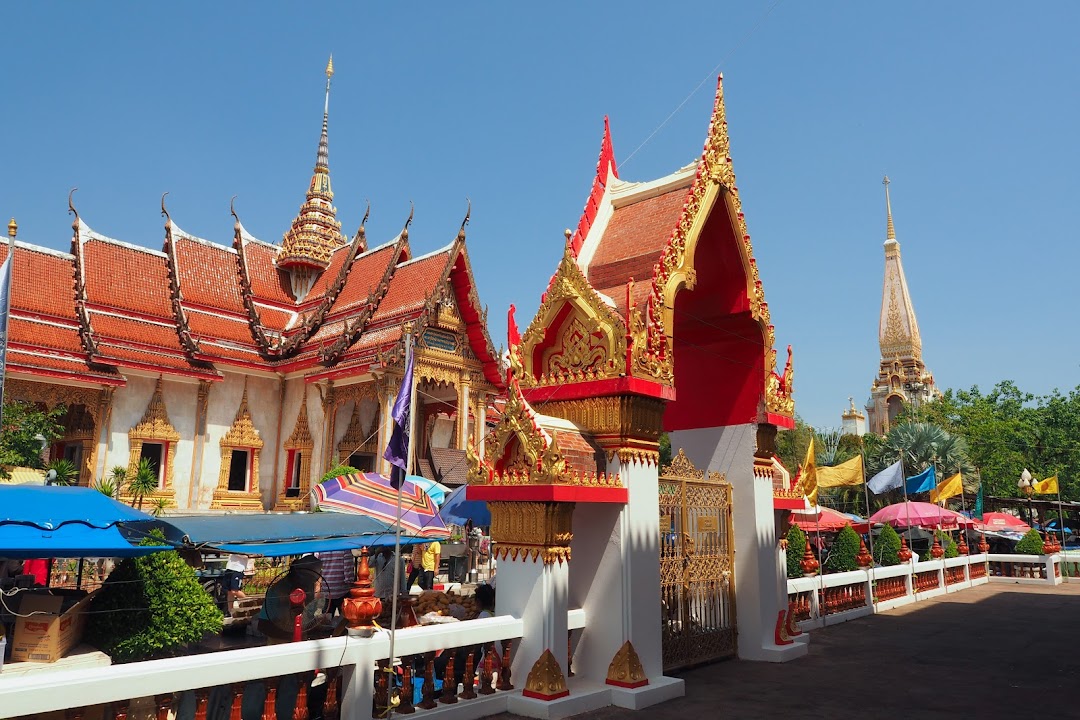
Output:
(890, 231)
(12, 228)
(315, 232)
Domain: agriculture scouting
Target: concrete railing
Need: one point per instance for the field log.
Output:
(262, 677)
(1026, 569)
(828, 599)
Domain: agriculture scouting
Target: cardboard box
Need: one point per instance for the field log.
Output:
(50, 633)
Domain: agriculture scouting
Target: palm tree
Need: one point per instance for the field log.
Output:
(66, 471)
(113, 484)
(144, 483)
(158, 506)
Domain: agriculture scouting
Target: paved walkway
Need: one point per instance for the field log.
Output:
(995, 651)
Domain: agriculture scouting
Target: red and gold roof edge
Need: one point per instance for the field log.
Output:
(604, 163)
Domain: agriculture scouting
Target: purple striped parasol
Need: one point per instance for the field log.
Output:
(371, 494)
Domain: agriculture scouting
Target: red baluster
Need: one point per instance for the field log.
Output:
(487, 672)
(381, 700)
(331, 704)
(237, 702)
(428, 688)
(405, 698)
(504, 669)
(269, 702)
(202, 696)
(468, 690)
(449, 683)
(300, 712)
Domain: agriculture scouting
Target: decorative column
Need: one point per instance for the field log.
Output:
(463, 410)
(481, 422)
(202, 403)
(329, 424)
(388, 389)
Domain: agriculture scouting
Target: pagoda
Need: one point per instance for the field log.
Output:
(902, 378)
(243, 370)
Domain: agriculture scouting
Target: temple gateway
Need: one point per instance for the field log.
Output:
(243, 371)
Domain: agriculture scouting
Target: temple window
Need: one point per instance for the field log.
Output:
(238, 471)
(296, 464)
(364, 462)
(154, 439)
(359, 445)
(299, 447)
(154, 453)
(238, 478)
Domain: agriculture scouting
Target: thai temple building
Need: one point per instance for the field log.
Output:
(244, 370)
(902, 375)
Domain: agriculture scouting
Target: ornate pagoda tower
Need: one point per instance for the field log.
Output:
(902, 376)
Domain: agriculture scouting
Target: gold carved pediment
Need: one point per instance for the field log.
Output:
(242, 433)
(155, 424)
(300, 437)
(583, 336)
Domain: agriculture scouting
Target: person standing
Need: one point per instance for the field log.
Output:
(430, 563)
(417, 562)
(339, 573)
(232, 579)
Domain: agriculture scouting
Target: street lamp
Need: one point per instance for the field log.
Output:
(1024, 483)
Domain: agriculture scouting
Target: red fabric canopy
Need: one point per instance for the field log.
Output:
(828, 521)
(1003, 521)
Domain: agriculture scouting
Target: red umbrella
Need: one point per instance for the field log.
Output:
(1003, 521)
(827, 521)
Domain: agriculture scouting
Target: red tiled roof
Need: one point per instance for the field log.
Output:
(208, 275)
(411, 284)
(632, 242)
(18, 358)
(42, 283)
(39, 334)
(366, 272)
(224, 327)
(126, 278)
(266, 282)
(274, 319)
(136, 331)
(156, 358)
(232, 352)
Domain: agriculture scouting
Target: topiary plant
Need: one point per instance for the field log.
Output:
(843, 552)
(887, 546)
(796, 544)
(948, 544)
(150, 606)
(338, 472)
(1030, 544)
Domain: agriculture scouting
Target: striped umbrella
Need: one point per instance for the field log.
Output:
(371, 494)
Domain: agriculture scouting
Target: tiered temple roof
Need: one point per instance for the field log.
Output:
(197, 306)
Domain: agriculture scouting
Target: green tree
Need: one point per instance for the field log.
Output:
(337, 472)
(887, 547)
(1030, 544)
(791, 445)
(665, 450)
(25, 429)
(149, 607)
(843, 552)
(948, 544)
(143, 483)
(66, 471)
(112, 484)
(796, 545)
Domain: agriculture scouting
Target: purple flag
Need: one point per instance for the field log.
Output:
(397, 452)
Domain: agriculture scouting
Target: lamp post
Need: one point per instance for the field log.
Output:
(1024, 483)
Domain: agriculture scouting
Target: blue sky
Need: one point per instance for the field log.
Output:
(969, 107)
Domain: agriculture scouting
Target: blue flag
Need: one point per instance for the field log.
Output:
(923, 482)
(890, 478)
(397, 452)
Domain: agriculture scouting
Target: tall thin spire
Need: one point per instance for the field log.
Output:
(890, 231)
(322, 162)
(315, 233)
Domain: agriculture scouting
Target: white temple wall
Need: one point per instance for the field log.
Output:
(760, 581)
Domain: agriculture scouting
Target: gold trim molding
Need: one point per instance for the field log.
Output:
(155, 427)
(532, 530)
(242, 435)
(546, 680)
(625, 669)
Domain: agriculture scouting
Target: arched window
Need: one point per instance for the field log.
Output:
(238, 479)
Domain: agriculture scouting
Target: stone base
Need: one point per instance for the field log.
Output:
(779, 653)
(658, 690)
(237, 501)
(584, 696)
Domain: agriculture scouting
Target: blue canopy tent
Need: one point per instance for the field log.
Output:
(278, 534)
(458, 509)
(67, 522)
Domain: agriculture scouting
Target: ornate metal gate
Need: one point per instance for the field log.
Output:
(697, 568)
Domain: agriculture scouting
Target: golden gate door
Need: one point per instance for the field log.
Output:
(697, 568)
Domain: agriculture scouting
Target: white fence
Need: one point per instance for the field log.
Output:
(829, 599)
(350, 664)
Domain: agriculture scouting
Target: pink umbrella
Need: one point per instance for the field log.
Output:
(916, 514)
(1003, 521)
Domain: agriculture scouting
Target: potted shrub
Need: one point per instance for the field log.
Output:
(1030, 544)
(842, 556)
(796, 541)
(887, 547)
(150, 607)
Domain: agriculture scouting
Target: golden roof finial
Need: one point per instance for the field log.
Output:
(12, 228)
(330, 67)
(890, 231)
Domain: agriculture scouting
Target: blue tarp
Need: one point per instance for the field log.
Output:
(278, 534)
(65, 522)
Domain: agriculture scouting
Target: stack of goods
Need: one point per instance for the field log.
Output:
(439, 607)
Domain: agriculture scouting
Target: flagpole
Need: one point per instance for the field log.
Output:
(903, 483)
(397, 525)
(866, 493)
(1061, 530)
(9, 264)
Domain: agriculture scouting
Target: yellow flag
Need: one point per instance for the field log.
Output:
(1049, 486)
(842, 475)
(946, 489)
(809, 481)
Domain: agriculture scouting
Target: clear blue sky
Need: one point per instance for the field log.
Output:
(971, 108)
